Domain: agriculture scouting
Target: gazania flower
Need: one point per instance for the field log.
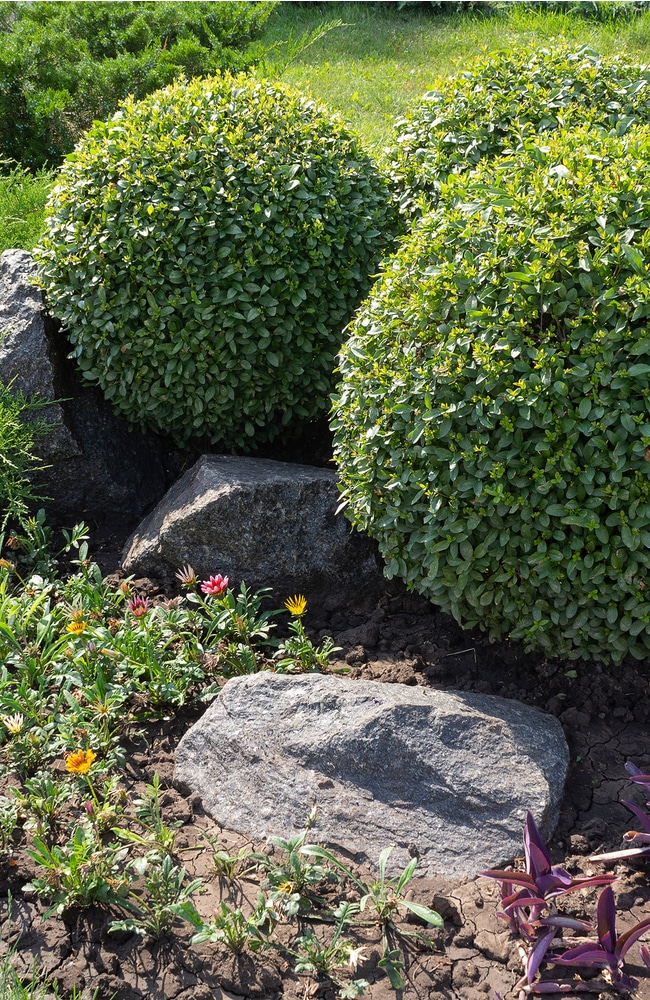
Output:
(5, 564)
(355, 955)
(80, 761)
(215, 585)
(76, 627)
(186, 575)
(296, 605)
(13, 723)
(139, 606)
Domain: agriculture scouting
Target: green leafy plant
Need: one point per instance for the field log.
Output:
(149, 816)
(492, 426)
(499, 102)
(293, 880)
(297, 653)
(29, 548)
(230, 865)
(235, 626)
(23, 197)
(41, 800)
(323, 958)
(252, 232)
(81, 872)
(19, 429)
(234, 929)
(165, 897)
(8, 823)
(383, 900)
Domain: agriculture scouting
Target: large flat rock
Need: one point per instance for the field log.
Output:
(448, 775)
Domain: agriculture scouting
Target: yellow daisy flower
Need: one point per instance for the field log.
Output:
(296, 605)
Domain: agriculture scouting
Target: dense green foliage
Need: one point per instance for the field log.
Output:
(492, 426)
(62, 65)
(18, 429)
(501, 101)
(206, 248)
(23, 197)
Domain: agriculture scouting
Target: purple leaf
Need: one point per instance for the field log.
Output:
(640, 814)
(627, 939)
(538, 861)
(606, 920)
(632, 852)
(589, 954)
(518, 901)
(559, 987)
(536, 956)
(634, 837)
(517, 878)
(644, 952)
(559, 920)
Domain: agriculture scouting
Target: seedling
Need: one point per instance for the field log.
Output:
(235, 930)
(384, 900)
(292, 882)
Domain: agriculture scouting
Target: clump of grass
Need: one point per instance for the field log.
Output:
(19, 428)
(22, 206)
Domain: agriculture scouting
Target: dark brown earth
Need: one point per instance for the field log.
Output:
(400, 638)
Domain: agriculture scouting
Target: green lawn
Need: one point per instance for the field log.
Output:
(374, 68)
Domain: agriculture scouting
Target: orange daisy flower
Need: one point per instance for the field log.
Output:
(80, 761)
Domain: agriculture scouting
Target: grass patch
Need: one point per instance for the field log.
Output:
(377, 66)
(22, 207)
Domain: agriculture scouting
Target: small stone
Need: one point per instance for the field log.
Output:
(356, 656)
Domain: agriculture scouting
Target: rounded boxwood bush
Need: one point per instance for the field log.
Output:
(502, 100)
(205, 249)
(492, 425)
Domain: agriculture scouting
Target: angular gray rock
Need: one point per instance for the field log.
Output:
(95, 462)
(268, 523)
(448, 774)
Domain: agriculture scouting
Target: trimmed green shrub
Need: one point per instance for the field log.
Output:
(18, 430)
(492, 425)
(65, 64)
(205, 250)
(502, 100)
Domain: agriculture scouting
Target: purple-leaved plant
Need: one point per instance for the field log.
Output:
(528, 899)
(608, 952)
(639, 837)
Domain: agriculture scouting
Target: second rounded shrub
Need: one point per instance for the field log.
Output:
(205, 249)
(502, 100)
(492, 426)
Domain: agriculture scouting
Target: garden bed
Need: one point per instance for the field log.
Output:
(400, 638)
